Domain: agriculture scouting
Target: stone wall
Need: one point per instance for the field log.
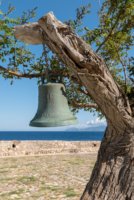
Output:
(14, 148)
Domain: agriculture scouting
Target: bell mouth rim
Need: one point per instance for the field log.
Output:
(54, 123)
(51, 83)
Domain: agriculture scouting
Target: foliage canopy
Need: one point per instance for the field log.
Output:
(113, 39)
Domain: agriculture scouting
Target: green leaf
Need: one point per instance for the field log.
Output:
(1, 13)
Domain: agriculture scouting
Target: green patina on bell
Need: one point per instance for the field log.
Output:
(53, 109)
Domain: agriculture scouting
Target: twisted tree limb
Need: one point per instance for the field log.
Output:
(83, 105)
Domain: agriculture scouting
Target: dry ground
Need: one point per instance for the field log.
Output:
(45, 177)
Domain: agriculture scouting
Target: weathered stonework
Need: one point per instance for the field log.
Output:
(14, 148)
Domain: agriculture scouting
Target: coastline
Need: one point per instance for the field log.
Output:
(43, 147)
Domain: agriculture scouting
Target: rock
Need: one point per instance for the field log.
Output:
(62, 196)
(14, 196)
(53, 196)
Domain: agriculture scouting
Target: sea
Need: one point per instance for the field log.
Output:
(52, 135)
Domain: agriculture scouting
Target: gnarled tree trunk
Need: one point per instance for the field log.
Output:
(112, 176)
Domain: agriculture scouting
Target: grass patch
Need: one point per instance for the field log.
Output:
(79, 160)
(19, 191)
(3, 195)
(74, 163)
(28, 164)
(13, 192)
(4, 171)
(50, 167)
(6, 179)
(13, 166)
(5, 159)
(54, 189)
(69, 192)
(25, 179)
(43, 182)
(37, 196)
(93, 163)
(14, 160)
(34, 169)
(46, 188)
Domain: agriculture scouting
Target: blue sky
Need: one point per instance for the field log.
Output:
(18, 103)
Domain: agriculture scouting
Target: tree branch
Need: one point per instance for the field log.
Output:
(70, 77)
(111, 64)
(122, 66)
(37, 75)
(120, 12)
(83, 105)
(24, 32)
(21, 75)
(84, 92)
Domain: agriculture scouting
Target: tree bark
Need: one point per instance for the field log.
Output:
(112, 176)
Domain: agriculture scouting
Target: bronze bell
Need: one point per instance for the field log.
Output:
(53, 109)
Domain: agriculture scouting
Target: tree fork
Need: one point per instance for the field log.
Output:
(112, 176)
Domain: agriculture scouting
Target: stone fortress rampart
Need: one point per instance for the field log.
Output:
(37, 147)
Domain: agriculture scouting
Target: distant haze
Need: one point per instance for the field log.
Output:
(94, 128)
(93, 125)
